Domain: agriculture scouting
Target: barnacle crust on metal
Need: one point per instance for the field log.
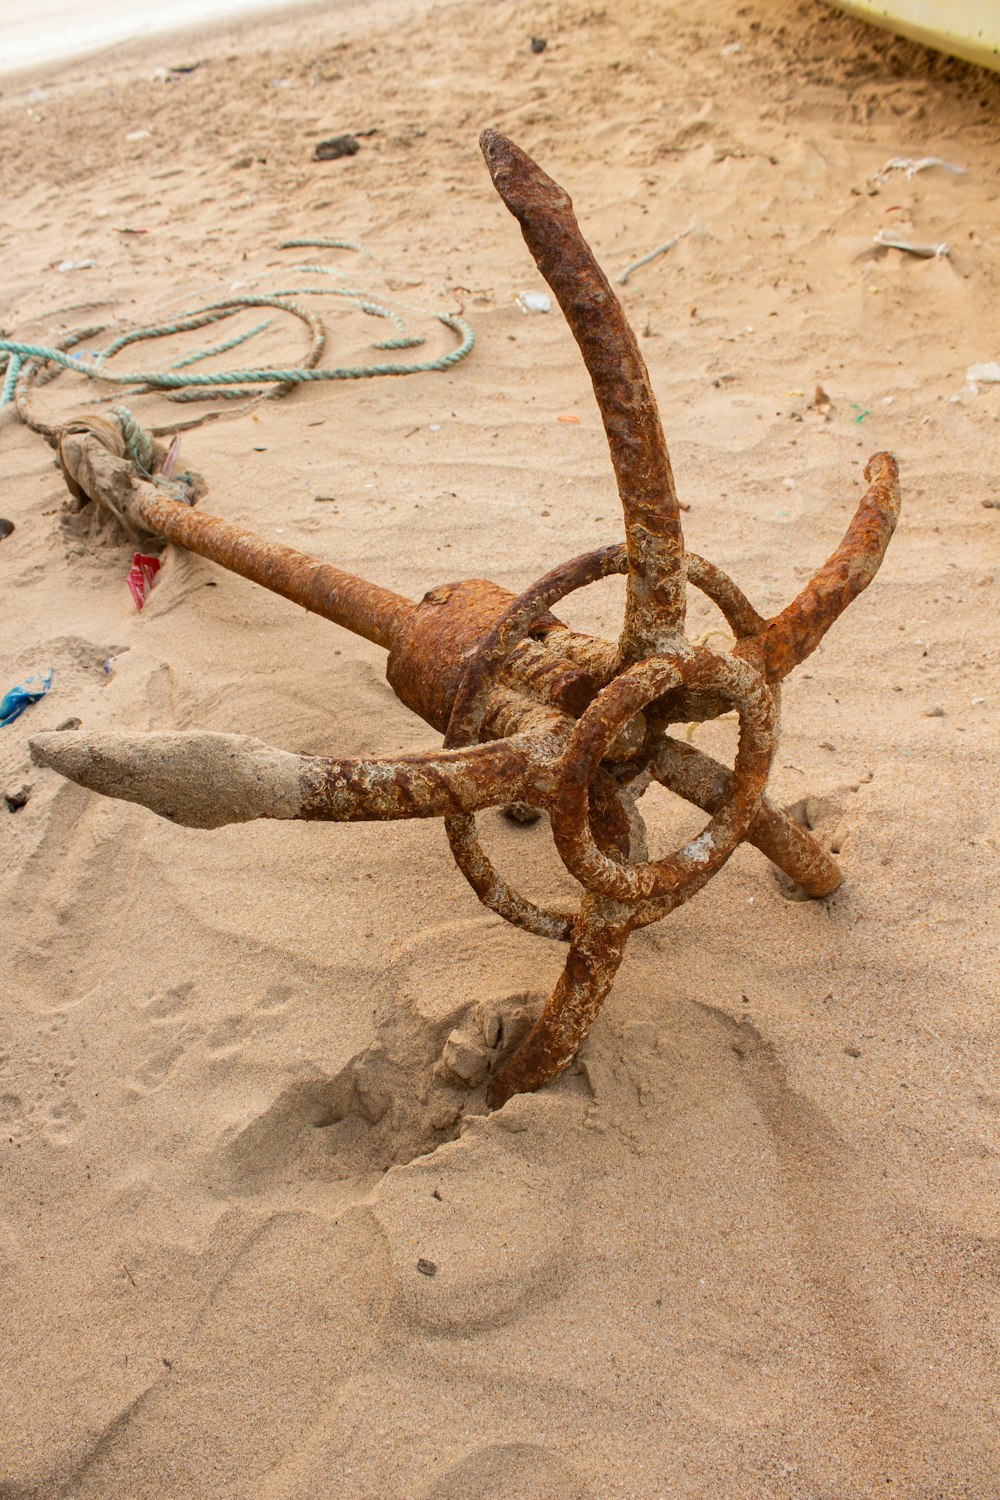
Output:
(530, 711)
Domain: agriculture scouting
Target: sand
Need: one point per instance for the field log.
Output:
(748, 1245)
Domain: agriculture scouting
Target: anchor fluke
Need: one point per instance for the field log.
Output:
(197, 778)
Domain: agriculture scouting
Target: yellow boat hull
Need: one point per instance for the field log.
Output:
(965, 28)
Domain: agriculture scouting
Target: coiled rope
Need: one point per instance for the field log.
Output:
(25, 365)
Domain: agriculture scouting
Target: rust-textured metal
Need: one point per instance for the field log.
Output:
(531, 711)
(655, 596)
(364, 608)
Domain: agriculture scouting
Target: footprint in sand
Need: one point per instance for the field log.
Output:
(176, 1027)
(291, 1318)
(158, 1066)
(172, 1003)
(227, 1035)
(479, 1212)
(164, 1013)
(62, 1117)
(276, 997)
(502, 1470)
(13, 1112)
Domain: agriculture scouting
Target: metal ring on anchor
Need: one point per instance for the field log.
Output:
(569, 809)
(481, 676)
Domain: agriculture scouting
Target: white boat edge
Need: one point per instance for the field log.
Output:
(969, 29)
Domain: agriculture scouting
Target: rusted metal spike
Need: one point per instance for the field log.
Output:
(794, 634)
(597, 947)
(205, 780)
(696, 777)
(655, 601)
(532, 711)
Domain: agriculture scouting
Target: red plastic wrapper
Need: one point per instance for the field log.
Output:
(140, 579)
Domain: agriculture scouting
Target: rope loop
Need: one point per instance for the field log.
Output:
(24, 365)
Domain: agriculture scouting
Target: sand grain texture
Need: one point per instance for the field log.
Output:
(749, 1246)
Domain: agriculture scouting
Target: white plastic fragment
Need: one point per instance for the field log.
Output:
(890, 241)
(75, 265)
(912, 165)
(534, 302)
(138, 135)
(987, 372)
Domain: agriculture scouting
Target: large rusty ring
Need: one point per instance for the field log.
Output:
(481, 675)
(569, 810)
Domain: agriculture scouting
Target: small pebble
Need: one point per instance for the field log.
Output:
(335, 147)
(522, 812)
(6, 527)
(538, 43)
(934, 713)
(16, 800)
(427, 1267)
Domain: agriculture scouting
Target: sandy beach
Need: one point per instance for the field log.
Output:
(747, 1246)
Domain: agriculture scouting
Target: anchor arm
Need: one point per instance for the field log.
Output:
(788, 638)
(206, 780)
(696, 777)
(655, 598)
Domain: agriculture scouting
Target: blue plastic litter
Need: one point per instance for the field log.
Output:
(18, 699)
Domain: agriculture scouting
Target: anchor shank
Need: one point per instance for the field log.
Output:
(364, 608)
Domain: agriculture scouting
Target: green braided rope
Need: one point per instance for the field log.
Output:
(138, 442)
(324, 244)
(35, 373)
(224, 347)
(184, 324)
(164, 380)
(25, 365)
(141, 450)
(12, 366)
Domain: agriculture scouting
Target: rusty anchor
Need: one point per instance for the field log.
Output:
(531, 711)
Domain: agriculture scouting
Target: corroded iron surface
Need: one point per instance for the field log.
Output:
(531, 712)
